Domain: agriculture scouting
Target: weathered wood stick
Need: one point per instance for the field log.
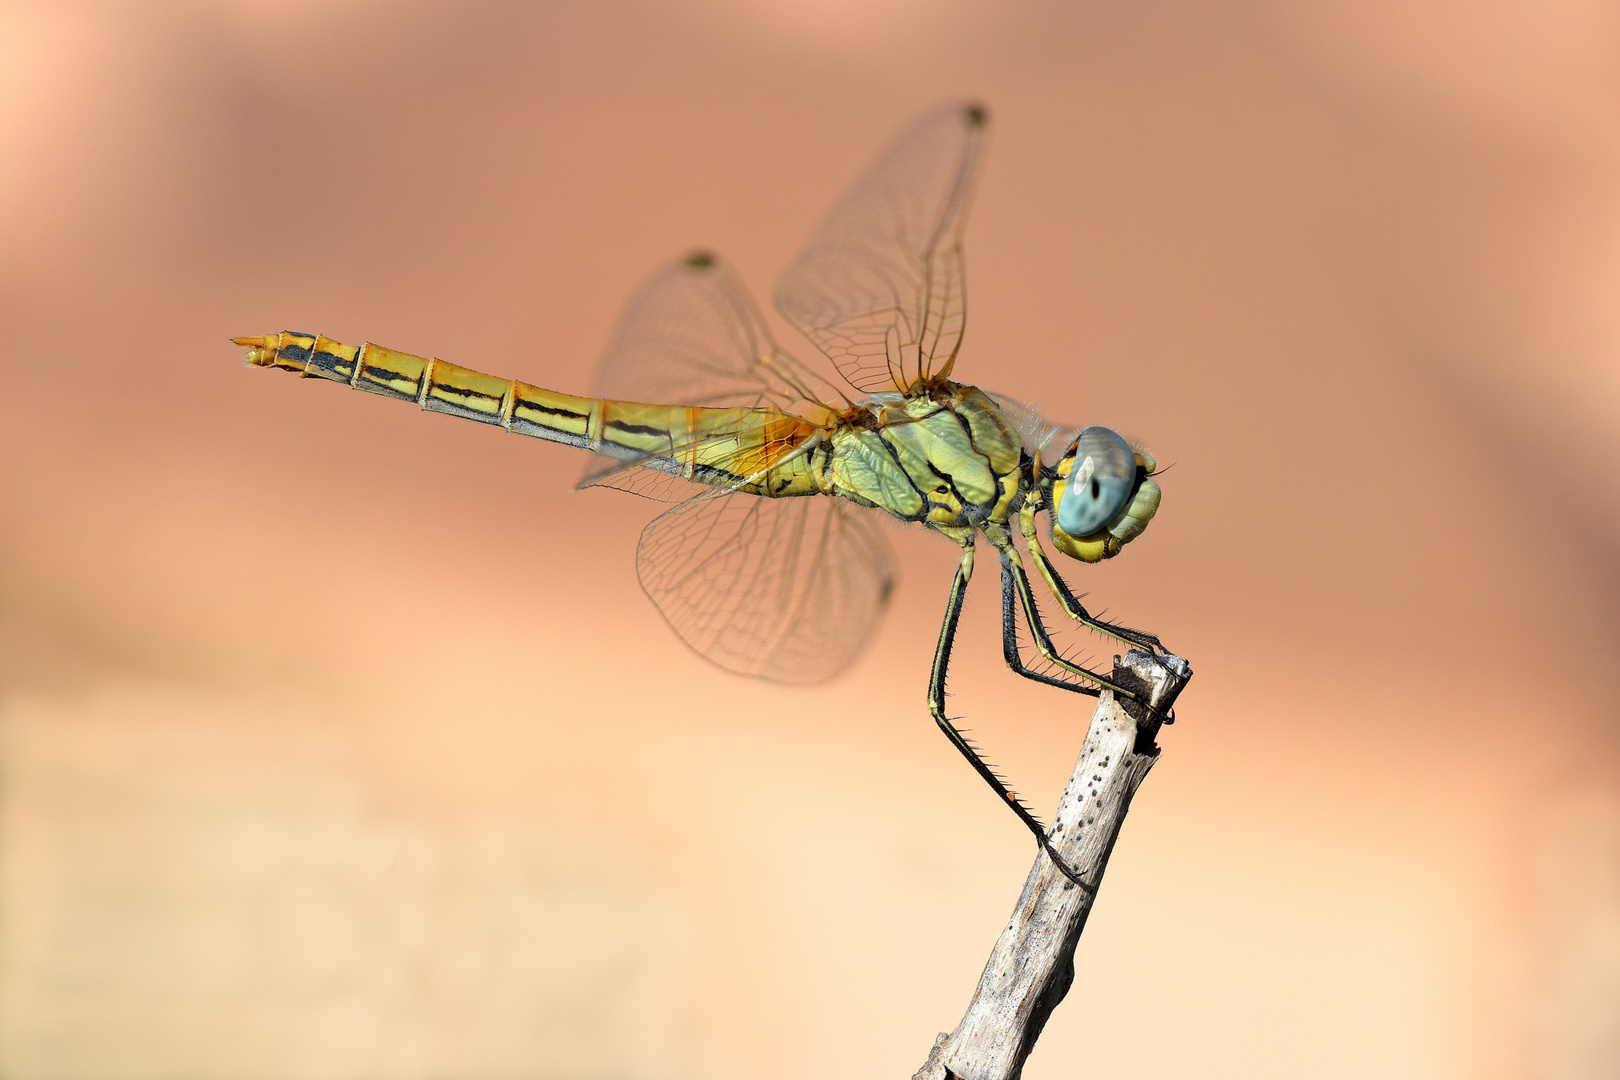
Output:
(1032, 966)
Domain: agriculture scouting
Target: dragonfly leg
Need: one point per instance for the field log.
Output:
(1068, 601)
(936, 708)
(1010, 612)
(1012, 565)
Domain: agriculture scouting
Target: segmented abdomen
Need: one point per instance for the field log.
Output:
(750, 448)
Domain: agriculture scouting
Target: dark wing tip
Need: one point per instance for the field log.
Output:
(700, 260)
(975, 114)
(886, 590)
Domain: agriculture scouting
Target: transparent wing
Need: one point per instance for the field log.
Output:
(640, 479)
(691, 335)
(731, 448)
(782, 589)
(879, 288)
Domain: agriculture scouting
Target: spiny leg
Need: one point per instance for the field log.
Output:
(1013, 565)
(936, 708)
(1010, 612)
(1066, 600)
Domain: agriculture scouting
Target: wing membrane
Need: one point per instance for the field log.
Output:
(782, 589)
(691, 335)
(879, 288)
(661, 476)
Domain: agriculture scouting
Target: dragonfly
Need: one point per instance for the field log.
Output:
(771, 562)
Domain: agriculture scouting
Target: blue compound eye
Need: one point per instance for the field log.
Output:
(1100, 482)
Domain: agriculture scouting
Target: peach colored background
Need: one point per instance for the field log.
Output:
(338, 741)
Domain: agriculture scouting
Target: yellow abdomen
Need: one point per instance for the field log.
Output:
(748, 449)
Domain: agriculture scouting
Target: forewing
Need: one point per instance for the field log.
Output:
(879, 288)
(781, 589)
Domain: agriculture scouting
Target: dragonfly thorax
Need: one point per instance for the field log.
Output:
(945, 457)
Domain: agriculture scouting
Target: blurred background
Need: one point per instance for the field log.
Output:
(267, 811)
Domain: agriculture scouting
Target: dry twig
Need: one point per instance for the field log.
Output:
(1032, 966)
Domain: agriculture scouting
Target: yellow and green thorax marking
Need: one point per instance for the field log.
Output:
(945, 457)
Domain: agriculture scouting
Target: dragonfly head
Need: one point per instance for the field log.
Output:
(1102, 497)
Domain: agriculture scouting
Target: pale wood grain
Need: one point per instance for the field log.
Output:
(1032, 965)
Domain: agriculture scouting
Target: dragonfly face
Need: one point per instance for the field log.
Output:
(1102, 495)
